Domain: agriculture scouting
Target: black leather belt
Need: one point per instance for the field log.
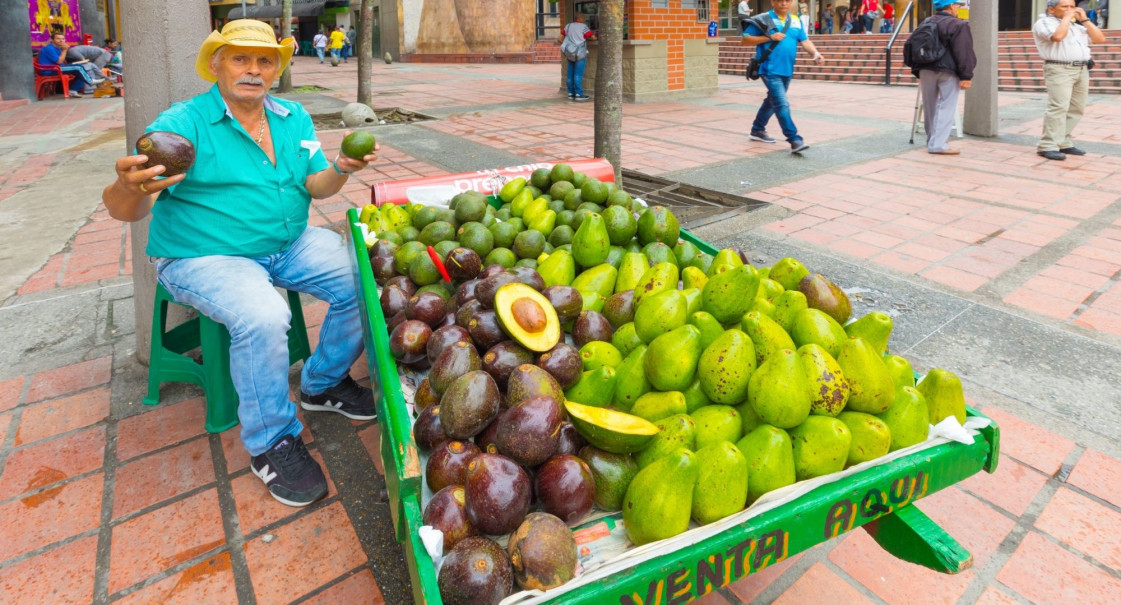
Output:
(1068, 63)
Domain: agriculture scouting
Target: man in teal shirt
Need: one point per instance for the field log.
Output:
(235, 225)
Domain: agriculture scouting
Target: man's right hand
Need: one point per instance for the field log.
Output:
(777, 36)
(142, 181)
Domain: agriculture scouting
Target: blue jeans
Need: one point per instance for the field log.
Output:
(576, 77)
(238, 293)
(346, 51)
(83, 82)
(867, 21)
(776, 105)
(321, 52)
(335, 52)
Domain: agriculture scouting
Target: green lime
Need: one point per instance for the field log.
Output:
(358, 144)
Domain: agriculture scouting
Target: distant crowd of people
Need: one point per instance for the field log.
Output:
(857, 18)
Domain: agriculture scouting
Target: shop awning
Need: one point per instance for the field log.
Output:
(272, 11)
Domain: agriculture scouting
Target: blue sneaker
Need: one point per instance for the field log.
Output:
(289, 472)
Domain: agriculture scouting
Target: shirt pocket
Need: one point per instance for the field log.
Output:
(305, 152)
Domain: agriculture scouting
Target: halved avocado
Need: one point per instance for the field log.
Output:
(610, 430)
(527, 317)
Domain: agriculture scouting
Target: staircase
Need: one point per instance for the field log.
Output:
(546, 51)
(860, 59)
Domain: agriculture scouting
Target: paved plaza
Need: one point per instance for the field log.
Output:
(997, 264)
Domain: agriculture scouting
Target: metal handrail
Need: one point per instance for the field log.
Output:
(891, 42)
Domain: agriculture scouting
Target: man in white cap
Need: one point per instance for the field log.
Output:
(1063, 35)
(235, 225)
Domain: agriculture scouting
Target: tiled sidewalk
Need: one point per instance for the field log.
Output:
(970, 221)
(141, 506)
(150, 509)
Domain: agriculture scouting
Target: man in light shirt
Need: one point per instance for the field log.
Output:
(1063, 36)
(743, 10)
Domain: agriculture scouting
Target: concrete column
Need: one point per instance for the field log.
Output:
(170, 34)
(93, 20)
(17, 76)
(982, 116)
(390, 29)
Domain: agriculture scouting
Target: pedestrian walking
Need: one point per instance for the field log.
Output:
(1063, 36)
(574, 47)
(777, 34)
(337, 40)
(743, 10)
(828, 19)
(889, 18)
(940, 54)
(320, 43)
(869, 12)
(351, 36)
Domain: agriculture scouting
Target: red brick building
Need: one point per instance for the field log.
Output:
(667, 52)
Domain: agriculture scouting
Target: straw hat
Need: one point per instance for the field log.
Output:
(247, 33)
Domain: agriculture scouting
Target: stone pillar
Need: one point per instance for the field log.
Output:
(170, 33)
(982, 117)
(93, 20)
(17, 76)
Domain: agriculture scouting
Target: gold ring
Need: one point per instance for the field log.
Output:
(143, 188)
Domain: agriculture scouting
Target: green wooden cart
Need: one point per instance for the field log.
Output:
(878, 499)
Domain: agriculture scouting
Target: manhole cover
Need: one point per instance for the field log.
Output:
(391, 115)
(693, 206)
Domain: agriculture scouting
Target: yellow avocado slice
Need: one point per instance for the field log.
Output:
(527, 317)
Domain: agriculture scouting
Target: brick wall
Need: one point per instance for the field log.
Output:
(669, 40)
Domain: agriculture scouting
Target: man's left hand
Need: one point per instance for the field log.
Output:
(1080, 14)
(819, 59)
(965, 84)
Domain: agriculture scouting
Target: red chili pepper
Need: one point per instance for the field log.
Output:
(439, 264)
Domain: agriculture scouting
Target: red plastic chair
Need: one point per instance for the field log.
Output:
(47, 75)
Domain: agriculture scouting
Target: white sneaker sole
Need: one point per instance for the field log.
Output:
(760, 139)
(284, 501)
(311, 407)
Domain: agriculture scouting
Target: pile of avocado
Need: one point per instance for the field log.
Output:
(584, 356)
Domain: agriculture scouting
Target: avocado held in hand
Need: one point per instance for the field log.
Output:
(358, 144)
(174, 152)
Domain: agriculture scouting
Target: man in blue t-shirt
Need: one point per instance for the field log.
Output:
(88, 74)
(767, 31)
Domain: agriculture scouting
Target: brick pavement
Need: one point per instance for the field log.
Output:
(144, 507)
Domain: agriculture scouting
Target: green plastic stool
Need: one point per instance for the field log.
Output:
(168, 362)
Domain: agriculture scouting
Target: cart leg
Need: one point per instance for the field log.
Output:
(912, 536)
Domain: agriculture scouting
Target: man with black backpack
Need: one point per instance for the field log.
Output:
(940, 54)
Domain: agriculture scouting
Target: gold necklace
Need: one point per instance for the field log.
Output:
(261, 131)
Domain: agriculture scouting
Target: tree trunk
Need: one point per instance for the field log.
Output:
(285, 31)
(365, 43)
(609, 85)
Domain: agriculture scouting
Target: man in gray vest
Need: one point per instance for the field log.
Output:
(1063, 35)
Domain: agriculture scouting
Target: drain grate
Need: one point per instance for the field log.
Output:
(693, 206)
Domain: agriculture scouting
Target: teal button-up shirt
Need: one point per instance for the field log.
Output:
(234, 201)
